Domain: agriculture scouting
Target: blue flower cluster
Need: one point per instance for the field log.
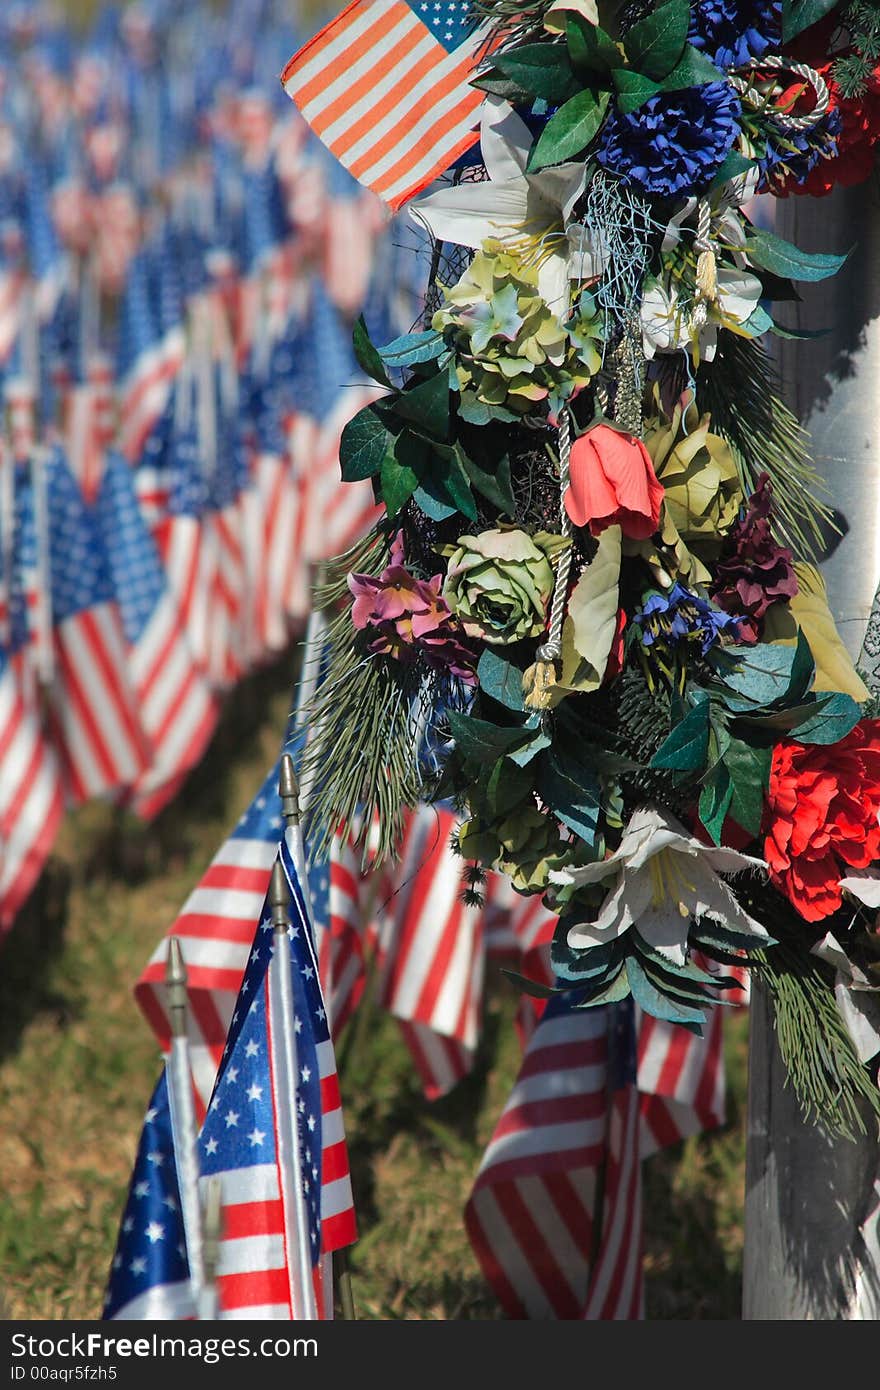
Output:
(680, 616)
(795, 154)
(733, 32)
(676, 142)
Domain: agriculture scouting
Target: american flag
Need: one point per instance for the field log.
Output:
(386, 86)
(431, 945)
(215, 927)
(96, 720)
(246, 1137)
(149, 1275)
(149, 359)
(554, 1216)
(177, 709)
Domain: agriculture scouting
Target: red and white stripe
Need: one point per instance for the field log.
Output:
(431, 945)
(385, 97)
(95, 713)
(215, 928)
(224, 575)
(31, 792)
(144, 394)
(178, 711)
(12, 286)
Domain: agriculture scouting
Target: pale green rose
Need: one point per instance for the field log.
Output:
(526, 846)
(699, 474)
(499, 583)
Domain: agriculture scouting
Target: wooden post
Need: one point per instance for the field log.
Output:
(811, 1202)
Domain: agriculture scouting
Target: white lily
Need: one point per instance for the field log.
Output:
(554, 19)
(857, 999)
(662, 879)
(666, 327)
(528, 213)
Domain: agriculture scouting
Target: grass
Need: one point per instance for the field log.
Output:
(77, 1064)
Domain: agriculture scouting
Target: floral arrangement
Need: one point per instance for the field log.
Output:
(590, 614)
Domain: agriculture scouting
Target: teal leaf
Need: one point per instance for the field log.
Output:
(686, 747)
(500, 679)
(541, 69)
(758, 322)
(411, 348)
(507, 786)
(576, 804)
(767, 673)
(433, 507)
(570, 130)
(655, 44)
(364, 443)
(799, 334)
(538, 740)
(479, 742)
(649, 998)
(798, 15)
(530, 987)
(633, 90)
(693, 69)
(770, 252)
(834, 718)
(366, 354)
(734, 165)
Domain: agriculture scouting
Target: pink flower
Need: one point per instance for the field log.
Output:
(613, 483)
(406, 617)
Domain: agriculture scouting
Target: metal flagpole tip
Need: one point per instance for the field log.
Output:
(288, 790)
(279, 898)
(175, 984)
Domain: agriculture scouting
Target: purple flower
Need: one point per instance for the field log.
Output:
(732, 32)
(754, 571)
(407, 618)
(676, 142)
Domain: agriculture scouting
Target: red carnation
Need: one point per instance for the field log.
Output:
(613, 483)
(822, 817)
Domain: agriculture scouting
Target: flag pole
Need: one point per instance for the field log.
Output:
(184, 1129)
(288, 790)
(285, 1068)
(208, 1305)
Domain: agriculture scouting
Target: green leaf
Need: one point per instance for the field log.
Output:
(575, 803)
(758, 322)
(734, 165)
(589, 628)
(448, 479)
(649, 998)
(479, 742)
(366, 354)
(495, 487)
(749, 770)
(715, 799)
(656, 43)
(427, 405)
(398, 482)
(771, 252)
(364, 443)
(633, 90)
(506, 787)
(799, 334)
(537, 741)
(798, 15)
(497, 85)
(836, 715)
(413, 347)
(500, 679)
(592, 51)
(765, 674)
(541, 69)
(530, 987)
(693, 69)
(687, 747)
(570, 130)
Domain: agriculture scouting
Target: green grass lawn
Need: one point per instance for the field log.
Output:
(77, 1064)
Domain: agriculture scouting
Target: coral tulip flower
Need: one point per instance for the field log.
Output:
(613, 483)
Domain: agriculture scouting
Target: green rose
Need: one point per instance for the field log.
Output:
(699, 474)
(525, 846)
(499, 583)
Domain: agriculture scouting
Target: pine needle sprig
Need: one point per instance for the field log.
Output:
(740, 391)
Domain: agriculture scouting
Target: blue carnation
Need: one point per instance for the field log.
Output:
(793, 154)
(676, 142)
(733, 32)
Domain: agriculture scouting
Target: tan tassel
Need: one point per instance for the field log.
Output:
(707, 277)
(538, 683)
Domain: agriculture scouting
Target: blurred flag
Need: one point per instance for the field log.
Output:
(177, 710)
(149, 1276)
(246, 1138)
(555, 1212)
(149, 358)
(386, 86)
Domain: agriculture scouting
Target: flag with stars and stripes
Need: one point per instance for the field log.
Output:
(386, 86)
(177, 709)
(215, 928)
(149, 1274)
(554, 1216)
(247, 1138)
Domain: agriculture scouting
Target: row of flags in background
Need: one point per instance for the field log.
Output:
(554, 1213)
(180, 265)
